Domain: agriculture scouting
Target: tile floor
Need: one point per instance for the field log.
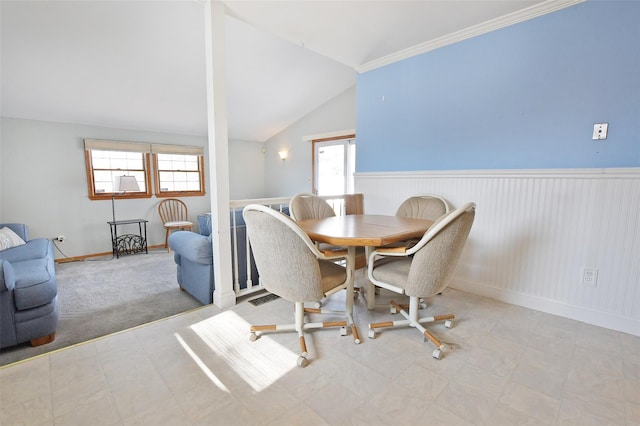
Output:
(507, 366)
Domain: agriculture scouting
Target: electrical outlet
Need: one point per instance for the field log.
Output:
(600, 131)
(61, 238)
(589, 277)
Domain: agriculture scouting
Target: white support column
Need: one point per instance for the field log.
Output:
(223, 295)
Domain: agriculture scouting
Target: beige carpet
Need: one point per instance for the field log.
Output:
(101, 296)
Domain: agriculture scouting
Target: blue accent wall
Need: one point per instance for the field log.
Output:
(522, 97)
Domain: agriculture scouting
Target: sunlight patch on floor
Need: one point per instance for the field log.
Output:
(201, 364)
(259, 364)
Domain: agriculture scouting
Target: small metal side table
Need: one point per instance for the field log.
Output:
(129, 243)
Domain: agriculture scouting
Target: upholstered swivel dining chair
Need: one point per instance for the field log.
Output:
(174, 215)
(425, 206)
(309, 206)
(291, 266)
(422, 270)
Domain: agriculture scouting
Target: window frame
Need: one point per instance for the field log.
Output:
(146, 162)
(150, 167)
(169, 194)
(346, 139)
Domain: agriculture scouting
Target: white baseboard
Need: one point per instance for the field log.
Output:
(597, 318)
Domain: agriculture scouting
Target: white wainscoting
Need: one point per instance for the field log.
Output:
(535, 231)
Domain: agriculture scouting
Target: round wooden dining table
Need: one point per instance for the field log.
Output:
(363, 230)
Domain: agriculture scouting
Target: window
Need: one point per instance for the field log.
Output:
(334, 165)
(106, 161)
(179, 170)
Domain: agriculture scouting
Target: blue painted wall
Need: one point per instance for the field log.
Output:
(522, 97)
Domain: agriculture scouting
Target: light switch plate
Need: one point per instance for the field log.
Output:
(600, 131)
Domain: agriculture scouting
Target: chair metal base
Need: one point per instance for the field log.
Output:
(412, 320)
(300, 326)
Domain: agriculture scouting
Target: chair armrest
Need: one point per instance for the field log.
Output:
(192, 246)
(204, 224)
(395, 250)
(334, 253)
(38, 248)
(7, 276)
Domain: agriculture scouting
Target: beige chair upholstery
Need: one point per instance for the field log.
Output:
(423, 207)
(291, 266)
(174, 215)
(423, 270)
(309, 206)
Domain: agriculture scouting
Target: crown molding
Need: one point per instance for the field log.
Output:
(531, 12)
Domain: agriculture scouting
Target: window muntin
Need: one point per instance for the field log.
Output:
(178, 170)
(104, 167)
(109, 165)
(179, 174)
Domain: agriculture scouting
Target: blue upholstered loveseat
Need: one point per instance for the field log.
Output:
(28, 291)
(193, 255)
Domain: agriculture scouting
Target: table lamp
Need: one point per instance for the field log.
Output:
(122, 185)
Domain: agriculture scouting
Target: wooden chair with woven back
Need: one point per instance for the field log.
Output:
(174, 215)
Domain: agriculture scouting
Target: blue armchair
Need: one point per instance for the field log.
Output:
(28, 291)
(193, 255)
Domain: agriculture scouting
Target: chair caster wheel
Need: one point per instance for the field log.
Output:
(356, 292)
(372, 333)
(393, 310)
(343, 331)
(437, 354)
(302, 362)
(448, 323)
(253, 337)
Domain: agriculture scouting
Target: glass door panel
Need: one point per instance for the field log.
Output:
(331, 169)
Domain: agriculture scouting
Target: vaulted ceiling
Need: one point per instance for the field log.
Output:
(141, 64)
